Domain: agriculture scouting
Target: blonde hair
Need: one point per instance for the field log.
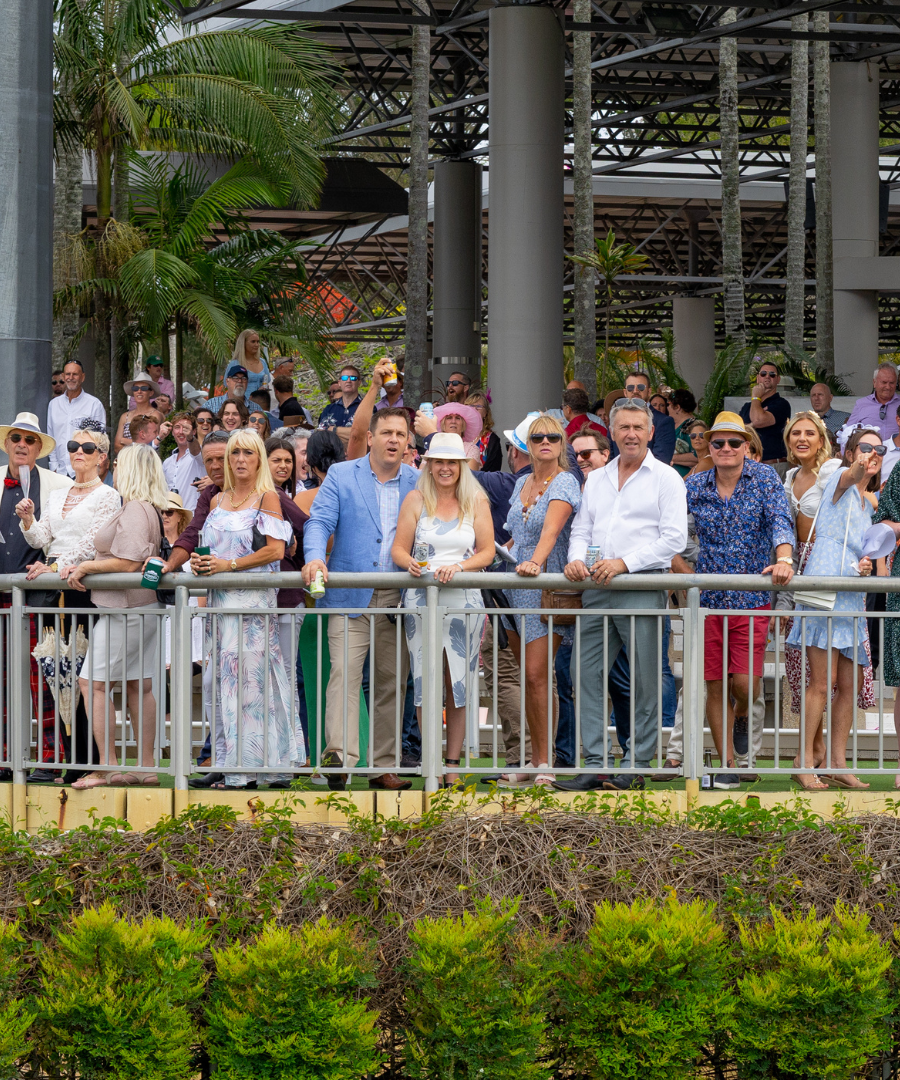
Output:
(755, 443)
(98, 438)
(548, 425)
(479, 399)
(824, 452)
(239, 355)
(247, 439)
(468, 490)
(139, 476)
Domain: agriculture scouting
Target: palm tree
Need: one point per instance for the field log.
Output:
(795, 290)
(125, 82)
(610, 260)
(729, 123)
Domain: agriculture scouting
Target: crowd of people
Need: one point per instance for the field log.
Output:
(249, 481)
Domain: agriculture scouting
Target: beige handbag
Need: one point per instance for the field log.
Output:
(562, 601)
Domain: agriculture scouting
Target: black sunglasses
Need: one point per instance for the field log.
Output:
(549, 436)
(139, 389)
(86, 448)
(868, 448)
(58, 382)
(29, 440)
(456, 382)
(735, 444)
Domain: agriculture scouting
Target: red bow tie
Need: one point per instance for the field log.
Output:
(9, 482)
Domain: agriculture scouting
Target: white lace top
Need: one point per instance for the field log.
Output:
(71, 538)
(808, 503)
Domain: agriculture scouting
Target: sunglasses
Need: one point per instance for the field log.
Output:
(142, 389)
(58, 382)
(639, 387)
(349, 378)
(697, 434)
(768, 375)
(546, 436)
(585, 454)
(868, 448)
(170, 513)
(719, 444)
(86, 448)
(29, 440)
(204, 419)
(882, 412)
(456, 382)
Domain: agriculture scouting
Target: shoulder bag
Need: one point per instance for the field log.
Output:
(821, 599)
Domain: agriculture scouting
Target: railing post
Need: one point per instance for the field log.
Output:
(692, 697)
(182, 697)
(19, 698)
(432, 689)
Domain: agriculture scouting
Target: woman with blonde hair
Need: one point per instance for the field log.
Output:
(541, 509)
(248, 354)
(125, 647)
(445, 526)
(247, 647)
(488, 442)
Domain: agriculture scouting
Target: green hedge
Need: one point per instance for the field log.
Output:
(656, 990)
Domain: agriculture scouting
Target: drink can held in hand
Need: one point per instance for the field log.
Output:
(427, 409)
(391, 377)
(152, 574)
(317, 588)
(420, 554)
(593, 554)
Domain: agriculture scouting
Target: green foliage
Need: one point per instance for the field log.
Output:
(118, 998)
(802, 368)
(646, 994)
(16, 1014)
(813, 1004)
(288, 1006)
(476, 999)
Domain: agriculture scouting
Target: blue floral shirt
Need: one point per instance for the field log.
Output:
(736, 535)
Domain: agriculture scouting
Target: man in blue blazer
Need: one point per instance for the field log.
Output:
(359, 503)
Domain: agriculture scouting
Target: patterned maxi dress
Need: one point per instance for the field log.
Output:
(526, 534)
(263, 721)
(889, 510)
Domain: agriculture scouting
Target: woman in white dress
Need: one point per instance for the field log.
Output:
(446, 524)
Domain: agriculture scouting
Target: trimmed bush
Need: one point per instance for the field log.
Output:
(117, 998)
(15, 1015)
(814, 1003)
(476, 1000)
(644, 994)
(287, 1006)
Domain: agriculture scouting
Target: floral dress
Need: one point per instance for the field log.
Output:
(889, 510)
(260, 733)
(526, 533)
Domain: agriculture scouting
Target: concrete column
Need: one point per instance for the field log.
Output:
(854, 176)
(525, 252)
(456, 263)
(26, 206)
(694, 326)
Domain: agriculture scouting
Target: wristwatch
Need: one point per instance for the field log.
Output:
(234, 564)
(787, 559)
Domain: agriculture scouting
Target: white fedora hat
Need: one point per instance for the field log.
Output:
(446, 446)
(27, 421)
(141, 380)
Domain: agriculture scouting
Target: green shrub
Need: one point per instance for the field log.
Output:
(15, 1014)
(476, 1002)
(815, 999)
(117, 998)
(645, 992)
(287, 1006)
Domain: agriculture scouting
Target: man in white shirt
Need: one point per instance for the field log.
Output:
(66, 414)
(184, 465)
(635, 511)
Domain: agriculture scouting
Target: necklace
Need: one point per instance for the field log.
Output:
(235, 505)
(532, 500)
(89, 483)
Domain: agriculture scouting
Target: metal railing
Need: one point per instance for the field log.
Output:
(241, 696)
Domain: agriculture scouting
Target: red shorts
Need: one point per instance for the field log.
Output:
(738, 644)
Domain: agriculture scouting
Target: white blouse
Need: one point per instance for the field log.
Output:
(71, 538)
(808, 503)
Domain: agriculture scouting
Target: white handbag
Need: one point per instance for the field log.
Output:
(820, 599)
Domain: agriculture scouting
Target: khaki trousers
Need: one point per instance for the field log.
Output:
(383, 679)
(508, 694)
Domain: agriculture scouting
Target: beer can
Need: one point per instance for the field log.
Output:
(427, 409)
(420, 554)
(317, 588)
(391, 379)
(593, 554)
(152, 574)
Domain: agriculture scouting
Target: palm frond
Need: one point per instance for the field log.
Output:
(730, 376)
(801, 366)
(152, 283)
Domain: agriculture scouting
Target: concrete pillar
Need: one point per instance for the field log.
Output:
(854, 177)
(525, 252)
(456, 263)
(694, 326)
(26, 206)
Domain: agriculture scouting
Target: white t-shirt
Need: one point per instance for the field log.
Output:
(180, 474)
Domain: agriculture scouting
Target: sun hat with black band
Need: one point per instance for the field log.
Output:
(727, 423)
(28, 422)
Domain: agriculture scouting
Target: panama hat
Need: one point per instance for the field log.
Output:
(446, 446)
(472, 417)
(27, 421)
(141, 380)
(518, 435)
(730, 422)
(175, 503)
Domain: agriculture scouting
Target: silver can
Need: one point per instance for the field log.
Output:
(420, 554)
(593, 554)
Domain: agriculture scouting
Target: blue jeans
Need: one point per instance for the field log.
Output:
(566, 750)
(412, 737)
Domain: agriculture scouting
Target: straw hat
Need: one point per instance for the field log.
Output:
(728, 422)
(472, 417)
(611, 398)
(27, 421)
(446, 446)
(175, 503)
(141, 380)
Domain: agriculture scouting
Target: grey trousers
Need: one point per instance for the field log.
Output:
(644, 668)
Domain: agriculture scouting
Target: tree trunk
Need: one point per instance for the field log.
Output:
(795, 291)
(176, 367)
(585, 294)
(416, 378)
(122, 361)
(102, 355)
(824, 246)
(732, 251)
(606, 344)
(67, 205)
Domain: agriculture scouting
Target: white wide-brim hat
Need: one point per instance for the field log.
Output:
(446, 446)
(27, 421)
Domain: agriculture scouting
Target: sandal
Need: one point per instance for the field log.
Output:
(544, 779)
(851, 783)
(122, 779)
(451, 784)
(808, 782)
(514, 779)
(92, 780)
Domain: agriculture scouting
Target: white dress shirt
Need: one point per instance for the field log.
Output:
(180, 473)
(64, 418)
(644, 524)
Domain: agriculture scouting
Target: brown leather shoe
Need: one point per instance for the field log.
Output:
(389, 782)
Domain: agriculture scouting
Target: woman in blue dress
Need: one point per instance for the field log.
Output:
(541, 509)
(845, 513)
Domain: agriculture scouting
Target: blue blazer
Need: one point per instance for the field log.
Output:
(347, 507)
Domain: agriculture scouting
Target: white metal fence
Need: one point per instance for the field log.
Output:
(192, 686)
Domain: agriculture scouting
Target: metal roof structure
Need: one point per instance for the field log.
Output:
(655, 133)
